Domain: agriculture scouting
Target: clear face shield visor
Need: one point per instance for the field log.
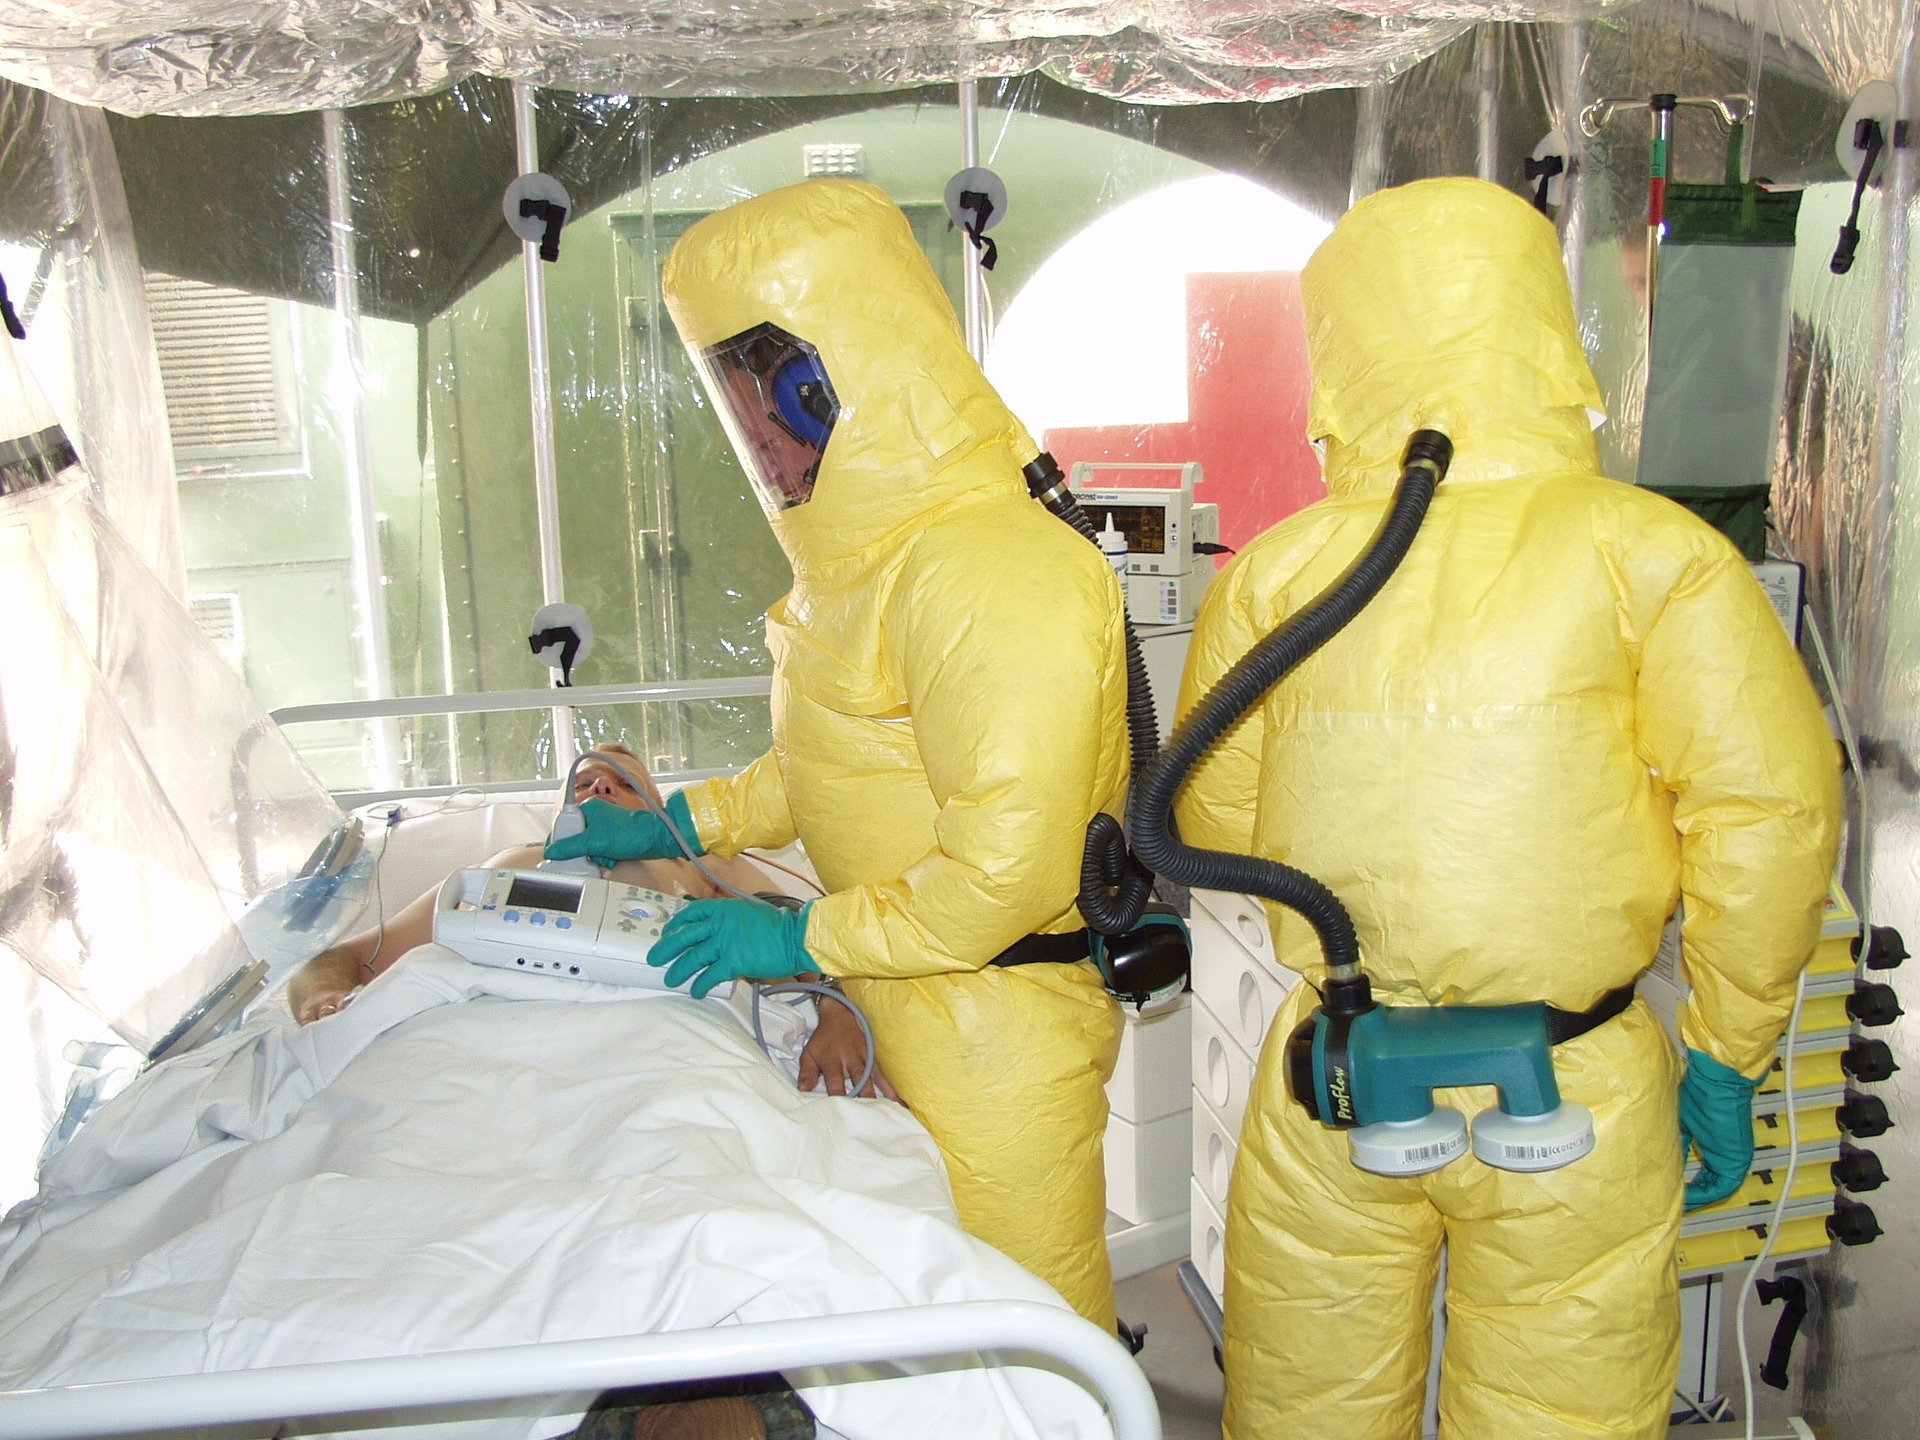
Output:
(778, 408)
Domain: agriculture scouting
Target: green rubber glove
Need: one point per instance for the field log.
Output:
(616, 833)
(712, 941)
(1716, 1116)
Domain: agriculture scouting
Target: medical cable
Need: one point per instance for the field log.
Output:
(392, 822)
(647, 803)
(789, 987)
(807, 880)
(1791, 1039)
(1852, 744)
(1779, 1203)
(785, 987)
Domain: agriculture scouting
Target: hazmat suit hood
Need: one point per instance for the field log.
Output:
(834, 263)
(1444, 305)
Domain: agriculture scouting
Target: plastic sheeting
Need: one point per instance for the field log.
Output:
(181, 58)
(68, 260)
(663, 544)
(1846, 501)
(145, 801)
(140, 58)
(659, 538)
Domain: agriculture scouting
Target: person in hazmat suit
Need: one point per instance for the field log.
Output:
(1568, 709)
(948, 711)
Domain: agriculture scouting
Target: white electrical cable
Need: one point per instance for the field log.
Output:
(1779, 1204)
(1848, 739)
(1852, 744)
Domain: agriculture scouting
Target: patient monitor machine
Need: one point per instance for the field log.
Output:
(1165, 573)
(574, 925)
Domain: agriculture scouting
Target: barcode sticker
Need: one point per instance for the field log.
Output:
(1436, 1150)
(1666, 960)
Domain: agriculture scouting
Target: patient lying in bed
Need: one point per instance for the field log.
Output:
(835, 1055)
(468, 1156)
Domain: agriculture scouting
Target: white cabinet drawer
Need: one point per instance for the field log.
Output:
(1242, 988)
(1222, 1071)
(1243, 918)
(1207, 1229)
(1214, 1148)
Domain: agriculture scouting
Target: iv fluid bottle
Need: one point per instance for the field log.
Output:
(1113, 545)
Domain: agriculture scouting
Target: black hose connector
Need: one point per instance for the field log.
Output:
(1791, 1292)
(1114, 887)
(1155, 841)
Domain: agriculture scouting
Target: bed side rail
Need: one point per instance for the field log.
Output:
(408, 1382)
(486, 701)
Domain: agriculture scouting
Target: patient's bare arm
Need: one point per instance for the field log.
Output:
(321, 986)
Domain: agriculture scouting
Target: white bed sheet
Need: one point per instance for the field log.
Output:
(469, 1157)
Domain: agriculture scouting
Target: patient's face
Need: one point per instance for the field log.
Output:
(597, 780)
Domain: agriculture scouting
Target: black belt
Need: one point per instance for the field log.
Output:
(1562, 1025)
(1045, 949)
(1565, 1025)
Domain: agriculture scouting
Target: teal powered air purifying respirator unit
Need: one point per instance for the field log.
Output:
(1354, 1064)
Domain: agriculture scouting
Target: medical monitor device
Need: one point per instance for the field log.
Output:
(553, 924)
(1162, 524)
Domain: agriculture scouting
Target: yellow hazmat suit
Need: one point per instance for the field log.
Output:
(1570, 708)
(948, 714)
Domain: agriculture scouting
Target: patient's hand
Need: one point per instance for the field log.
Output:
(837, 1053)
(321, 986)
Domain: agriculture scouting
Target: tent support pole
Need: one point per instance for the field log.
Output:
(546, 486)
(1573, 225)
(973, 282)
(363, 509)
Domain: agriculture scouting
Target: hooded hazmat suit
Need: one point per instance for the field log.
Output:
(948, 714)
(1569, 708)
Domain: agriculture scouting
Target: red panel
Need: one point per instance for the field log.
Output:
(1247, 390)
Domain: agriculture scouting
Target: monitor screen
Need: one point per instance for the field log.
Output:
(541, 892)
(1145, 526)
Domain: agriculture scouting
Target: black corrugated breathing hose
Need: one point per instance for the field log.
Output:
(1114, 887)
(1156, 844)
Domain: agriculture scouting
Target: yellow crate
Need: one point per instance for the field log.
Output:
(1818, 1126)
(1728, 1249)
(1762, 1188)
(1824, 1012)
(1812, 1070)
(1831, 958)
(1837, 915)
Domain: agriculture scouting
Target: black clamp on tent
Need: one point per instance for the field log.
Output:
(536, 206)
(976, 201)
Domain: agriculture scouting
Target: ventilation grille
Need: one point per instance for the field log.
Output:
(217, 366)
(218, 616)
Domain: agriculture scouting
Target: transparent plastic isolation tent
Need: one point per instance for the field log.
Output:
(149, 811)
(1322, 102)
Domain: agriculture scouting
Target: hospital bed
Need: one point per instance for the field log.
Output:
(883, 1314)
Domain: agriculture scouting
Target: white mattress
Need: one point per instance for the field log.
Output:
(469, 1158)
